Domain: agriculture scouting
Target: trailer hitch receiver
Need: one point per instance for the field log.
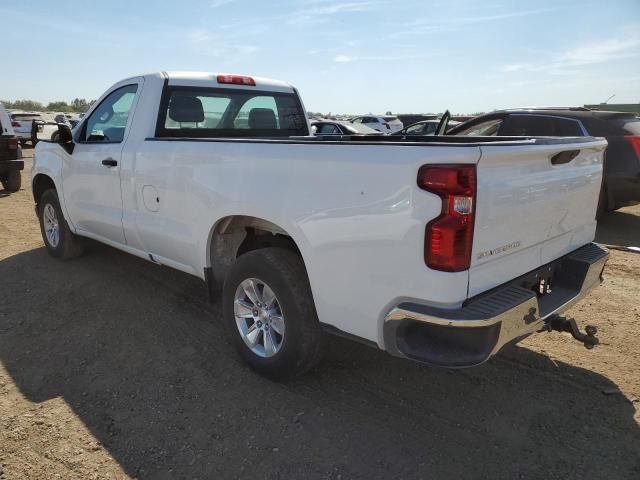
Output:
(559, 323)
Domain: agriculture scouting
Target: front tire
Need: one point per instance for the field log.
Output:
(58, 238)
(13, 181)
(270, 313)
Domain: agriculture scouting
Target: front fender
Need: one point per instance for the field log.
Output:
(48, 160)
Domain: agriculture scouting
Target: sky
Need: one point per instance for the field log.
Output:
(346, 56)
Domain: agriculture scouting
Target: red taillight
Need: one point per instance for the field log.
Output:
(634, 140)
(449, 238)
(13, 143)
(237, 80)
(15, 124)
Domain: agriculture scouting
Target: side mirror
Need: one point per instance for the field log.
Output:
(65, 137)
(64, 133)
(37, 129)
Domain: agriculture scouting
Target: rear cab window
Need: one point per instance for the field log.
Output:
(204, 112)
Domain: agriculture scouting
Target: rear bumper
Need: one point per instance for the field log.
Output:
(470, 335)
(11, 165)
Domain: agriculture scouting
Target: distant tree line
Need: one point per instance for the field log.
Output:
(78, 105)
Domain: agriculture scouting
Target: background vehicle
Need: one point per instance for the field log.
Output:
(21, 122)
(621, 184)
(10, 154)
(330, 127)
(424, 127)
(405, 244)
(384, 124)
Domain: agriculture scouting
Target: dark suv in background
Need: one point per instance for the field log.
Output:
(621, 182)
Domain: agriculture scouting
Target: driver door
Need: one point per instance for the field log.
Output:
(91, 174)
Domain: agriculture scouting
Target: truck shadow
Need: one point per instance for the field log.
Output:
(619, 228)
(144, 362)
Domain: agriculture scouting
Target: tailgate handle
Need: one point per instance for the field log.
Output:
(564, 157)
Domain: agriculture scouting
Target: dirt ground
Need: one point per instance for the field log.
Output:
(111, 367)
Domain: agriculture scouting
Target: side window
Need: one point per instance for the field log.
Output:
(430, 128)
(357, 120)
(484, 129)
(328, 129)
(527, 125)
(108, 122)
(415, 129)
(565, 127)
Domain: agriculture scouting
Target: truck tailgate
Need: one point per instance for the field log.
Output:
(534, 204)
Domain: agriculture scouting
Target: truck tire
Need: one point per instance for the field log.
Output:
(270, 313)
(12, 181)
(58, 238)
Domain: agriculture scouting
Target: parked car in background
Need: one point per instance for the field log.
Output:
(425, 127)
(10, 154)
(21, 122)
(384, 124)
(331, 127)
(621, 180)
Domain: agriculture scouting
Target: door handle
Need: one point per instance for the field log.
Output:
(564, 157)
(110, 162)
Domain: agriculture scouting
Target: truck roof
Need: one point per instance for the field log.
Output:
(210, 79)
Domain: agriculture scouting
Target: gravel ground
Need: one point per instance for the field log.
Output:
(111, 367)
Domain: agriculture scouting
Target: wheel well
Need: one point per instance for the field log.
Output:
(41, 183)
(236, 235)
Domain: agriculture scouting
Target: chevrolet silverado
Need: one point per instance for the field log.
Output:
(437, 249)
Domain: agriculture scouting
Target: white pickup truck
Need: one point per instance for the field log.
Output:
(437, 249)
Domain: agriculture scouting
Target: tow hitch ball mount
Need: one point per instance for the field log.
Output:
(559, 323)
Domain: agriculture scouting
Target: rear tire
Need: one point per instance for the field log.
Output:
(58, 238)
(301, 345)
(12, 181)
